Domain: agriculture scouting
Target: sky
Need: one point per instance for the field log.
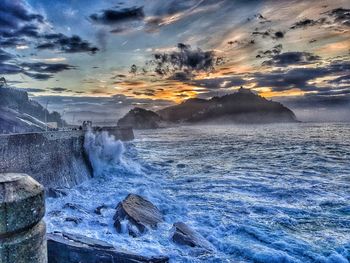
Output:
(97, 59)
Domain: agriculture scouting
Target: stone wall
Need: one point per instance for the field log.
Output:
(55, 159)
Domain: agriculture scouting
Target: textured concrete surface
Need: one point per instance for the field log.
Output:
(54, 159)
(64, 248)
(22, 231)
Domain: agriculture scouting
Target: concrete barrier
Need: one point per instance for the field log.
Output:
(56, 159)
(22, 230)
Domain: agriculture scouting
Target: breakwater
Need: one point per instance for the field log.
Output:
(54, 158)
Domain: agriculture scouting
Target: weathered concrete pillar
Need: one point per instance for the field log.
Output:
(22, 230)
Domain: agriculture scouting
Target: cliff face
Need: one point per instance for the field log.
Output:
(241, 107)
(20, 114)
(139, 118)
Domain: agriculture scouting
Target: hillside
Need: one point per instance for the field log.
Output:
(18, 113)
(243, 106)
(139, 118)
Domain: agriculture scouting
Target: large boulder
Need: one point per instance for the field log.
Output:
(139, 213)
(184, 235)
(74, 248)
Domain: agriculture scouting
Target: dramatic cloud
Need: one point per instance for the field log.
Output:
(115, 16)
(5, 67)
(46, 68)
(34, 90)
(4, 56)
(340, 15)
(186, 60)
(269, 33)
(299, 78)
(306, 23)
(20, 26)
(291, 58)
(66, 44)
(270, 52)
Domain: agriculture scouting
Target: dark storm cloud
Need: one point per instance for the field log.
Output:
(269, 33)
(292, 58)
(186, 60)
(277, 49)
(340, 15)
(4, 56)
(5, 66)
(316, 100)
(281, 80)
(115, 16)
(39, 71)
(16, 22)
(341, 80)
(9, 69)
(20, 26)
(37, 76)
(34, 90)
(46, 68)
(181, 76)
(279, 34)
(13, 12)
(58, 89)
(73, 44)
(305, 23)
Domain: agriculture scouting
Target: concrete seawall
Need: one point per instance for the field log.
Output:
(54, 159)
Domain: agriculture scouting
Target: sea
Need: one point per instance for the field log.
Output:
(258, 193)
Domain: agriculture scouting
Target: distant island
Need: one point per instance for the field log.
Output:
(19, 114)
(243, 106)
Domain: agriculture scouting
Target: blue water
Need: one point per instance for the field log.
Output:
(267, 193)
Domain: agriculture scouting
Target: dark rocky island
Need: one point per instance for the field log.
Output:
(243, 106)
(139, 118)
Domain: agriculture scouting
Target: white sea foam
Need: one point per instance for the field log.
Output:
(274, 193)
(103, 150)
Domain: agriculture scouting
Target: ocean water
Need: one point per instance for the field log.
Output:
(265, 193)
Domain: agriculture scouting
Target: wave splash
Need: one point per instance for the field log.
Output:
(103, 150)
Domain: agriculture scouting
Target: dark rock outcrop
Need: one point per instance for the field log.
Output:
(184, 235)
(74, 248)
(140, 213)
(243, 106)
(139, 118)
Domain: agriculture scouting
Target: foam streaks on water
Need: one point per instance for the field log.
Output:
(269, 193)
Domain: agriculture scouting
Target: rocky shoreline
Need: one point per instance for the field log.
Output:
(135, 216)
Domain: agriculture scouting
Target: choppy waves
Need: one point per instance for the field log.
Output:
(268, 193)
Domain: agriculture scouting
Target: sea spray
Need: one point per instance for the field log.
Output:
(103, 150)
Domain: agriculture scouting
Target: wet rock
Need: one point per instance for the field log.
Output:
(184, 235)
(99, 209)
(140, 214)
(64, 247)
(72, 206)
(56, 192)
(181, 165)
(75, 220)
(55, 213)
